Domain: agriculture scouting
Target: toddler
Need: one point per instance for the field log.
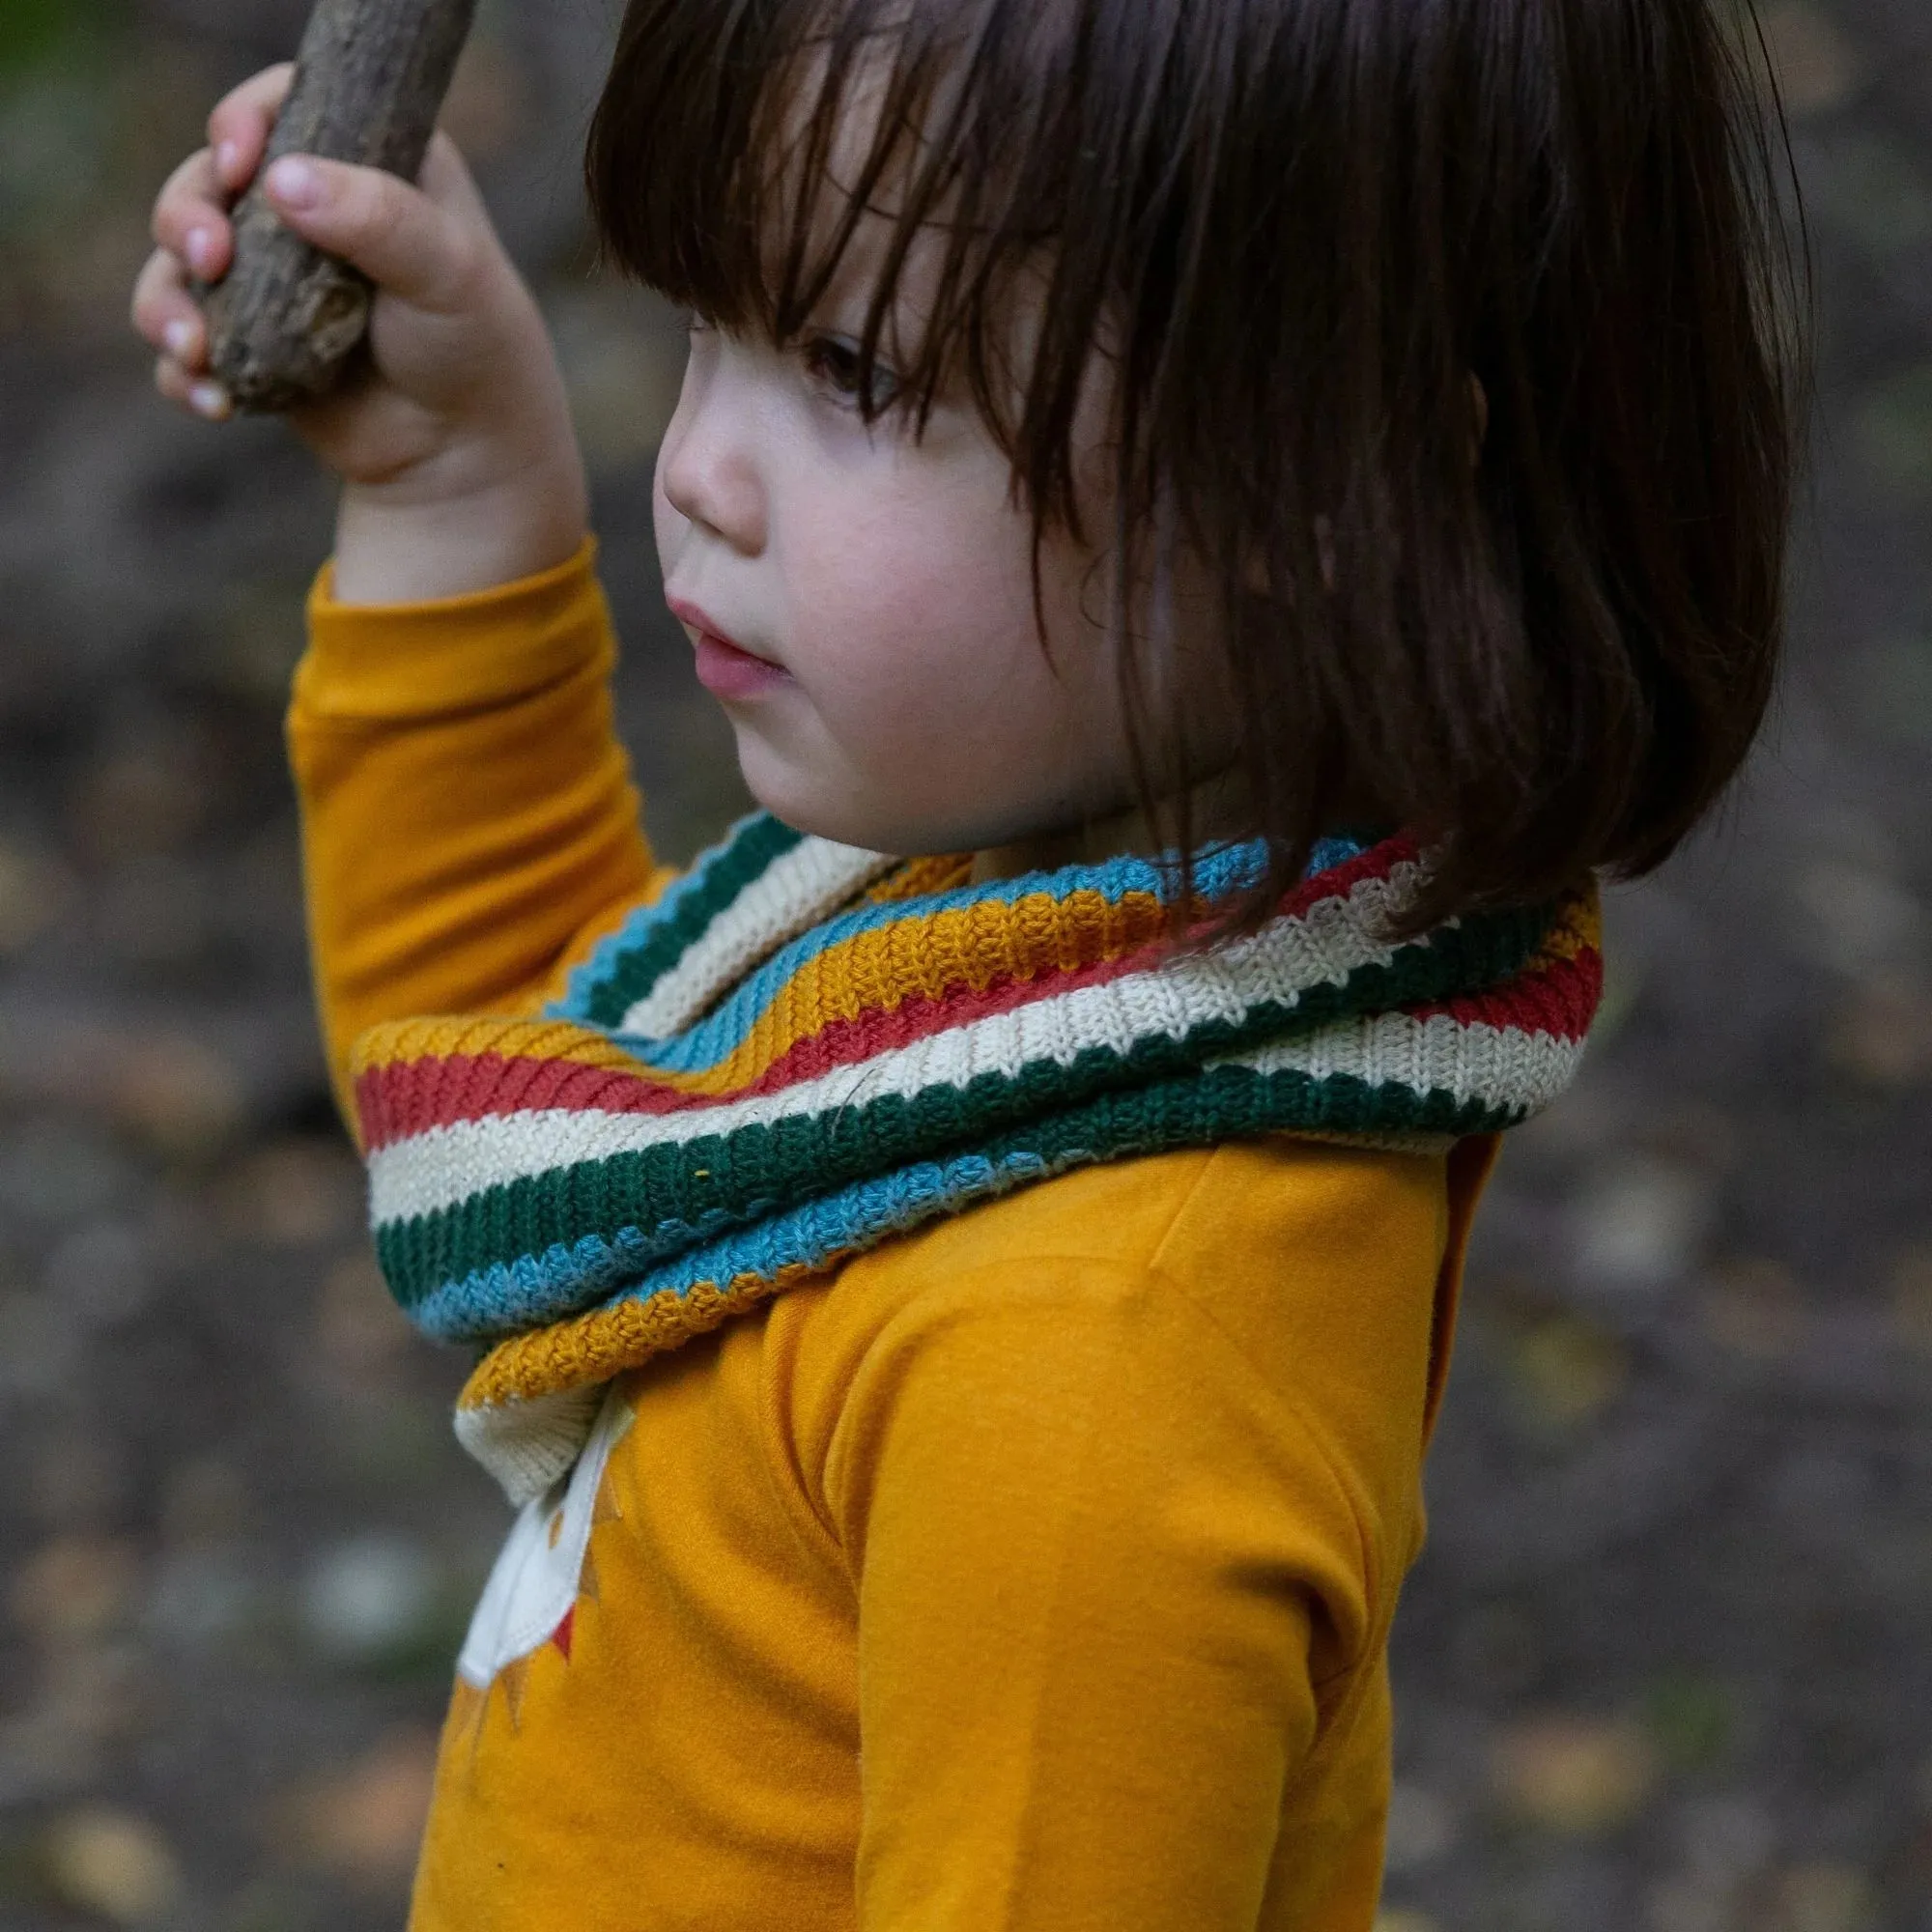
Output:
(1213, 521)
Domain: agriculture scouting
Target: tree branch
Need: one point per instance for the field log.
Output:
(369, 81)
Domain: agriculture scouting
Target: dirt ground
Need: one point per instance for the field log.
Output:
(1668, 1663)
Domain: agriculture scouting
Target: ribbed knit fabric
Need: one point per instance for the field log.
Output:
(802, 1049)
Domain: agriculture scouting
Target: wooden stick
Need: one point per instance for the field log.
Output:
(369, 81)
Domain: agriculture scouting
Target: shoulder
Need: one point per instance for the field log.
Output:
(1278, 1241)
(1289, 1285)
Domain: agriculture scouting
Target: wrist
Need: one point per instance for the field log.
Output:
(402, 543)
(413, 662)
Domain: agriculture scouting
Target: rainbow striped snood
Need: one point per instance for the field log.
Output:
(802, 1049)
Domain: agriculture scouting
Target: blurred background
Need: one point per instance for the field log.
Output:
(1668, 1663)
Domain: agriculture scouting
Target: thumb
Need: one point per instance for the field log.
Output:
(399, 236)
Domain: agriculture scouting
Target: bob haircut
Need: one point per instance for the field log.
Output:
(1533, 616)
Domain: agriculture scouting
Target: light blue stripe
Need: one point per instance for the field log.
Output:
(537, 1289)
(715, 1038)
(1221, 871)
(638, 928)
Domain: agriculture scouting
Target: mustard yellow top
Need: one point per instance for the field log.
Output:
(1034, 1572)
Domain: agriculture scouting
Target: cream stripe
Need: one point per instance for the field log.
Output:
(795, 891)
(424, 1173)
(1502, 1066)
(1319, 946)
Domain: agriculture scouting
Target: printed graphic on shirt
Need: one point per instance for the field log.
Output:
(543, 1570)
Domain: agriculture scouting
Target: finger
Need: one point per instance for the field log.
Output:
(165, 314)
(208, 400)
(238, 129)
(393, 231)
(190, 219)
(446, 180)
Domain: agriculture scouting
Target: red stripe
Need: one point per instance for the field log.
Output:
(411, 1097)
(1560, 1001)
(1338, 881)
(407, 1098)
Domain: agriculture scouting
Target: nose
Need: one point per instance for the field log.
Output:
(707, 465)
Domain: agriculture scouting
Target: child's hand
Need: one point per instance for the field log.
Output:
(455, 446)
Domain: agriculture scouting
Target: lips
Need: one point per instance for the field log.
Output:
(725, 668)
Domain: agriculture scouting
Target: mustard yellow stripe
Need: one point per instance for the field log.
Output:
(873, 971)
(593, 1347)
(1576, 929)
(450, 1038)
(925, 957)
(973, 946)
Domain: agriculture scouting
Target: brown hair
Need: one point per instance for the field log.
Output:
(1542, 642)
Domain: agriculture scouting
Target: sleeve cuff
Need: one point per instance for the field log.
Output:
(378, 661)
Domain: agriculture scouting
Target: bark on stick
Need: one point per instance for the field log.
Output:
(369, 82)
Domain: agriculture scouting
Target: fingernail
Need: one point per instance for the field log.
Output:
(210, 400)
(295, 183)
(201, 250)
(179, 336)
(225, 157)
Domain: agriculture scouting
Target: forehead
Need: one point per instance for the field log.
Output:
(905, 163)
(860, 198)
(878, 132)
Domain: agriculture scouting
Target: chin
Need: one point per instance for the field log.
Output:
(787, 795)
(879, 823)
(808, 809)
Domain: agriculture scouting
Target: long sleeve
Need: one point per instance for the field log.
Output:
(1109, 1583)
(468, 821)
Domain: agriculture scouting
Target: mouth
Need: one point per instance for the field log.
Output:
(725, 667)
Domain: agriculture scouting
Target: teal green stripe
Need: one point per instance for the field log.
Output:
(1197, 1109)
(695, 1190)
(637, 961)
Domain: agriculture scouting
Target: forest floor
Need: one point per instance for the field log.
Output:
(1667, 1661)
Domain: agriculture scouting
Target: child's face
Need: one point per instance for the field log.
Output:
(889, 689)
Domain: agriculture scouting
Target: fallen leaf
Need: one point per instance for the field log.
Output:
(1575, 1776)
(294, 1193)
(367, 1821)
(113, 1863)
(180, 1096)
(204, 1499)
(1567, 1371)
(74, 1587)
(1754, 1307)
(148, 791)
(1912, 1303)
(1638, 1224)
(1817, 67)
(358, 1327)
(1691, 1717)
(1883, 1035)
(1820, 1898)
(33, 894)
(371, 1598)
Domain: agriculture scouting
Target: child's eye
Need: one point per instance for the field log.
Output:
(835, 362)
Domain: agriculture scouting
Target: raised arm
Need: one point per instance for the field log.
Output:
(466, 811)
(469, 823)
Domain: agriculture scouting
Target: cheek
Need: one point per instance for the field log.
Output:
(924, 669)
(922, 621)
